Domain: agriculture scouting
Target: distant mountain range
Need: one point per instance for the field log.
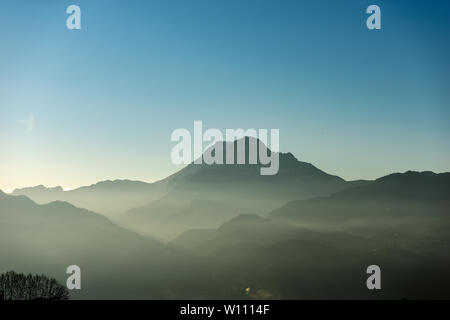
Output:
(302, 233)
(205, 196)
(199, 195)
(396, 195)
(106, 197)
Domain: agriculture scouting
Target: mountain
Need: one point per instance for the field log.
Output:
(229, 242)
(277, 259)
(106, 197)
(199, 195)
(411, 194)
(114, 262)
(227, 190)
(409, 210)
(244, 229)
(319, 248)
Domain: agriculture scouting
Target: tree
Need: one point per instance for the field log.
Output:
(31, 287)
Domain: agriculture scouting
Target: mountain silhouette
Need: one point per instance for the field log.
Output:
(199, 195)
(230, 189)
(422, 194)
(302, 233)
(106, 197)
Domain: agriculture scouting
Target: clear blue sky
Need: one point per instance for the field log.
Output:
(100, 103)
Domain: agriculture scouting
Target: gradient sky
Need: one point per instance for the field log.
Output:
(77, 107)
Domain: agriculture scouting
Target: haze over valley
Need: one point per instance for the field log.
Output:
(213, 231)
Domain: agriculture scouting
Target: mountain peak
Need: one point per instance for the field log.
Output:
(408, 175)
(39, 188)
(252, 148)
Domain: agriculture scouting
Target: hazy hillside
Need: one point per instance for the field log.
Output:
(243, 229)
(115, 262)
(276, 259)
(410, 210)
(229, 190)
(320, 247)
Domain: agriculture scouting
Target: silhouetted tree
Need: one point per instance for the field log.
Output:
(31, 287)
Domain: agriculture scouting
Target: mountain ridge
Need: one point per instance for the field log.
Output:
(405, 194)
(239, 184)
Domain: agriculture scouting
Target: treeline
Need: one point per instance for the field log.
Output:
(15, 286)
